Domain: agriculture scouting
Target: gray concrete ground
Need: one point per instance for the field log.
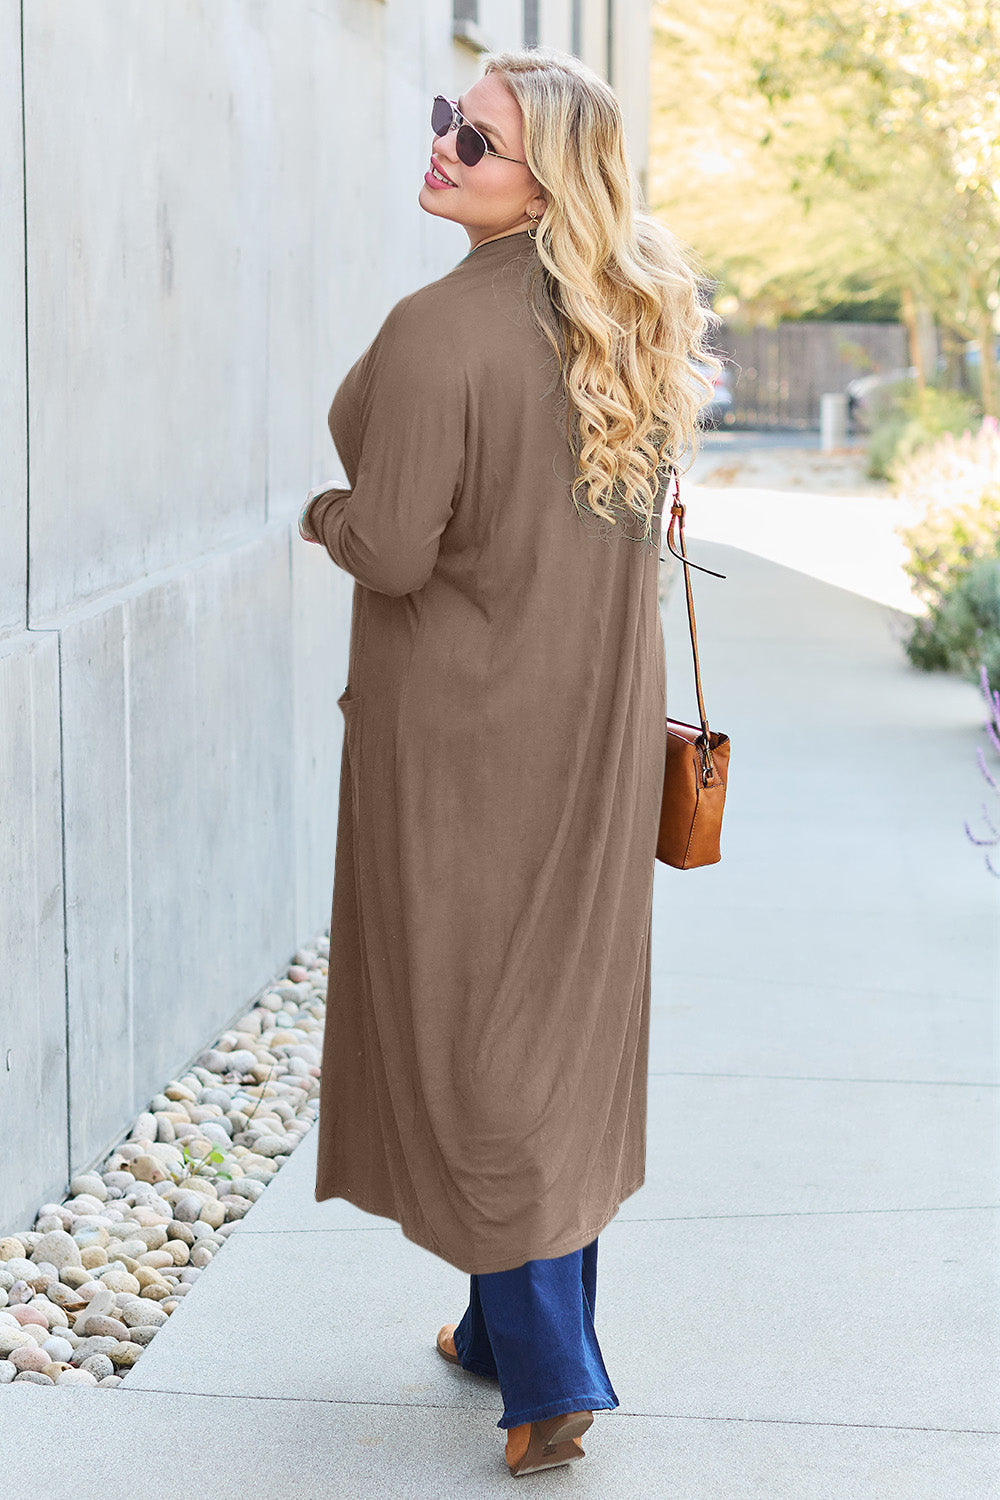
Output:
(801, 1302)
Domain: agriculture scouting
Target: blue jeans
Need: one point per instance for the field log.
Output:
(532, 1329)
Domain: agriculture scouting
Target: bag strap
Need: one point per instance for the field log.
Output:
(677, 513)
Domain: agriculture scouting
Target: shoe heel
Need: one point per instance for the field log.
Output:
(563, 1429)
(547, 1444)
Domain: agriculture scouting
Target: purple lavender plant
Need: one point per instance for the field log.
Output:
(992, 726)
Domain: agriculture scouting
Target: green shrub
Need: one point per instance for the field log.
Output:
(962, 632)
(954, 551)
(906, 420)
(886, 421)
(882, 445)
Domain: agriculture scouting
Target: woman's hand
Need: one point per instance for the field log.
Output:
(307, 536)
(322, 489)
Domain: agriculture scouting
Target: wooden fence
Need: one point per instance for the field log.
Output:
(777, 375)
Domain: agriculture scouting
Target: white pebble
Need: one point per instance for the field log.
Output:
(89, 1182)
(86, 1204)
(13, 1338)
(144, 1128)
(75, 1377)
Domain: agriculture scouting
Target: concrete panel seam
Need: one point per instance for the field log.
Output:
(180, 571)
(129, 928)
(65, 912)
(267, 395)
(935, 1083)
(27, 383)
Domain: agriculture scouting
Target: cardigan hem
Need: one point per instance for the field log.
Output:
(427, 1241)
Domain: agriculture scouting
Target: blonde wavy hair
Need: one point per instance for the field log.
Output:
(622, 309)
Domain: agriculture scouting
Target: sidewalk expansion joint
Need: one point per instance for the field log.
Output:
(656, 1416)
(794, 1213)
(942, 1083)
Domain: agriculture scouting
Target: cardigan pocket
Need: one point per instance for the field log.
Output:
(350, 707)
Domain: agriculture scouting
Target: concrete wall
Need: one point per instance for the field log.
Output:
(206, 209)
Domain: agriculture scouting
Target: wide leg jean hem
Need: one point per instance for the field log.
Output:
(532, 1329)
(556, 1409)
(476, 1369)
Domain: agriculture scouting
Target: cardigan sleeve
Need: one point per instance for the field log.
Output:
(411, 406)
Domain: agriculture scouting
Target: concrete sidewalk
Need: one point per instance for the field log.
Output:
(801, 1302)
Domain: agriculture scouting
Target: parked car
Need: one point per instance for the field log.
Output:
(972, 358)
(718, 410)
(863, 391)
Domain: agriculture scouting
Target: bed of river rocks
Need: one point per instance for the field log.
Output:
(87, 1288)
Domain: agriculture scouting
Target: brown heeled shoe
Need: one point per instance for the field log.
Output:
(446, 1344)
(546, 1444)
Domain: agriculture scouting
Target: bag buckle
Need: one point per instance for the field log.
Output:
(708, 771)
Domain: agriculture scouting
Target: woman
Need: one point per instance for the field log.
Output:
(506, 439)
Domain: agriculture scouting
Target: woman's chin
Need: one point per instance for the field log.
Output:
(429, 199)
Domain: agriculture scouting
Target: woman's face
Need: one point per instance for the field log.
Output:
(493, 197)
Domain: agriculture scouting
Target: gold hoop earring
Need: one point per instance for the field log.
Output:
(537, 221)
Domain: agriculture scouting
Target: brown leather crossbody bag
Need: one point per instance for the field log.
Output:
(697, 760)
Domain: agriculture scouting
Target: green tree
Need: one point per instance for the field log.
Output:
(806, 145)
(727, 185)
(912, 103)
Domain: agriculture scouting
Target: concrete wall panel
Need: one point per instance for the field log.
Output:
(210, 714)
(350, 180)
(162, 709)
(291, 290)
(147, 246)
(13, 394)
(98, 927)
(245, 830)
(556, 23)
(33, 1012)
(321, 626)
(630, 80)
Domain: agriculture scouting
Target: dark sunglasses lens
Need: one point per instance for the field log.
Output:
(470, 145)
(441, 116)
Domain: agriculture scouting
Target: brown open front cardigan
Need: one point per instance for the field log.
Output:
(484, 1070)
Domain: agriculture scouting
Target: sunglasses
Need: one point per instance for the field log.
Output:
(469, 144)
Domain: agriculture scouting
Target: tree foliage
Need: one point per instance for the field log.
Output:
(812, 147)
